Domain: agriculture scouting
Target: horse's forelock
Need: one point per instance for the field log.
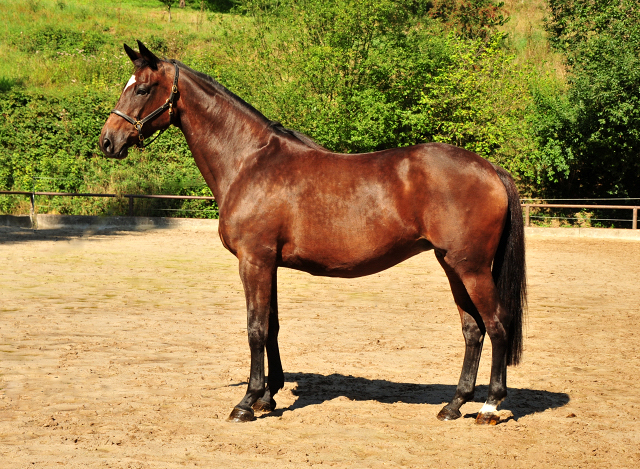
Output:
(142, 63)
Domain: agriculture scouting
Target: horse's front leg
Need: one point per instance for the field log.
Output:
(275, 380)
(257, 278)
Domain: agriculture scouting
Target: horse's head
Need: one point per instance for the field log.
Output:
(140, 111)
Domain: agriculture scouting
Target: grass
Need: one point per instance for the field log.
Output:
(528, 38)
(33, 60)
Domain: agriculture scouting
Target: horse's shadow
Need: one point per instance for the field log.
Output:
(17, 235)
(313, 389)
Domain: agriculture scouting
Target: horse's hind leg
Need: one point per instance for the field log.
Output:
(275, 380)
(484, 295)
(473, 331)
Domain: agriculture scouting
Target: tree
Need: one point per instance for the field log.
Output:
(364, 75)
(220, 6)
(589, 134)
(471, 18)
(168, 3)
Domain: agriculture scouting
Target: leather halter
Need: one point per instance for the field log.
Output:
(138, 123)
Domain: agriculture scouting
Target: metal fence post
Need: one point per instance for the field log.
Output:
(130, 206)
(634, 221)
(527, 213)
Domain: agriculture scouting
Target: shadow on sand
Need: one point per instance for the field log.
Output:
(315, 389)
(11, 235)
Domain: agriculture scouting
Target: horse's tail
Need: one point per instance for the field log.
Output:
(509, 272)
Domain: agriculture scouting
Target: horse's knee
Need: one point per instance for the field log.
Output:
(257, 337)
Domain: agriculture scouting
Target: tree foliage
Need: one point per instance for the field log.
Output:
(589, 135)
(372, 74)
(471, 18)
(356, 75)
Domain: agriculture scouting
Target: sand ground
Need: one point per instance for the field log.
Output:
(129, 350)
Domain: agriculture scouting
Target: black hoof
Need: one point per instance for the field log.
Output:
(241, 415)
(264, 406)
(449, 414)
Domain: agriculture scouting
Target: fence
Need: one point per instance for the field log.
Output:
(526, 206)
(131, 197)
(634, 211)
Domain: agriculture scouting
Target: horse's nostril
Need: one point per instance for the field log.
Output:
(106, 145)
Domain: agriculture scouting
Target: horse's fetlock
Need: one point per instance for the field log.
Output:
(463, 397)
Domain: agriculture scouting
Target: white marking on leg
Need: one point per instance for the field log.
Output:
(488, 409)
(131, 81)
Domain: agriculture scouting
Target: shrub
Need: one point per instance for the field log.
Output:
(589, 134)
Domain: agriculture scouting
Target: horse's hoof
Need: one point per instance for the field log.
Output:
(241, 415)
(448, 414)
(487, 419)
(264, 406)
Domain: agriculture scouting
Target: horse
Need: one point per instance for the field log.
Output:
(286, 201)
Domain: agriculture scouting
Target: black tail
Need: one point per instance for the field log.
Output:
(509, 273)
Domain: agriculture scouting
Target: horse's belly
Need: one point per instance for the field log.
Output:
(353, 257)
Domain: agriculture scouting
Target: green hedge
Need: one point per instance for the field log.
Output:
(50, 143)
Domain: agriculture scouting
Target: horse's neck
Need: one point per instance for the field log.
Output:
(221, 134)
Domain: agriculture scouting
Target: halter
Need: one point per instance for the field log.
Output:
(169, 103)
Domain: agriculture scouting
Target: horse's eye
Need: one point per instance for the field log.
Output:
(142, 91)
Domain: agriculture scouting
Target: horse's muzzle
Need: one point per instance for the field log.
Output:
(111, 149)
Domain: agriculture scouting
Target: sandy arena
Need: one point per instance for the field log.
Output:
(129, 350)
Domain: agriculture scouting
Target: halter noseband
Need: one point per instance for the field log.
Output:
(169, 103)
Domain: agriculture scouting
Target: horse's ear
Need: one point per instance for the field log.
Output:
(148, 56)
(133, 55)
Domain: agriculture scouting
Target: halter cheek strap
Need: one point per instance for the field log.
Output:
(169, 104)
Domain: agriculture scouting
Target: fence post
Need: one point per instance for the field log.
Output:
(130, 206)
(32, 215)
(527, 212)
(634, 222)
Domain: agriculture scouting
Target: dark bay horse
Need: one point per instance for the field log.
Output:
(285, 201)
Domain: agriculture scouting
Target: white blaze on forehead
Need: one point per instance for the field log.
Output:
(131, 81)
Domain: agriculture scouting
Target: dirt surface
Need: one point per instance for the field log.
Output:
(128, 350)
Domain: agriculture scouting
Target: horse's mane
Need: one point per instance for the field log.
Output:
(276, 126)
(298, 135)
